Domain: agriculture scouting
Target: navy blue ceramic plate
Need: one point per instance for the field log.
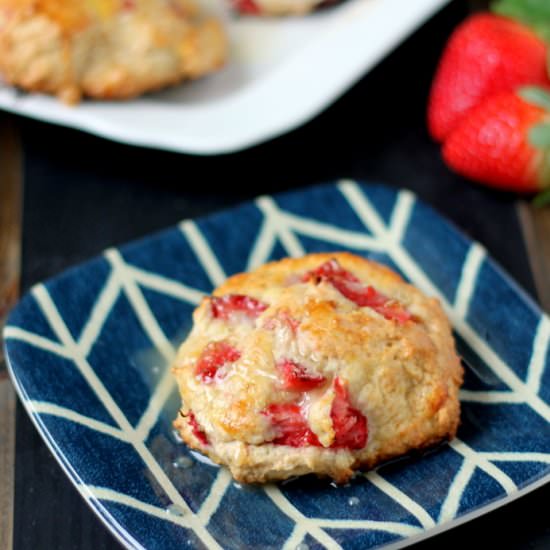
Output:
(88, 354)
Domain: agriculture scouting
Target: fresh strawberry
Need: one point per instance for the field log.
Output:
(504, 142)
(290, 426)
(486, 54)
(248, 7)
(297, 378)
(350, 426)
(214, 356)
(196, 429)
(364, 296)
(223, 307)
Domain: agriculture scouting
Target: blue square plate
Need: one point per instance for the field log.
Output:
(88, 354)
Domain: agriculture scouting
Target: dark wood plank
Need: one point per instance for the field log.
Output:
(535, 224)
(10, 214)
(10, 262)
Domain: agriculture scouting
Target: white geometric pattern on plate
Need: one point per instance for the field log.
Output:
(282, 226)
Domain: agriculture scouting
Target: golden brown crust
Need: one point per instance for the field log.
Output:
(108, 49)
(403, 376)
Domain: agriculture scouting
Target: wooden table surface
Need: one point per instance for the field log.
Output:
(11, 186)
(84, 193)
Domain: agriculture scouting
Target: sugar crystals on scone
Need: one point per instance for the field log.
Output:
(322, 364)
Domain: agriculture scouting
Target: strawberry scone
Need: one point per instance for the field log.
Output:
(279, 7)
(108, 49)
(322, 364)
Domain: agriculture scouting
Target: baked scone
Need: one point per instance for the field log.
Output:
(279, 7)
(108, 49)
(322, 364)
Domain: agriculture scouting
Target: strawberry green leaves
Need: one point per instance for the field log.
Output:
(533, 13)
(536, 96)
(539, 136)
(542, 199)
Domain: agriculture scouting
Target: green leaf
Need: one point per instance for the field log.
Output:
(539, 136)
(542, 199)
(533, 13)
(532, 10)
(536, 96)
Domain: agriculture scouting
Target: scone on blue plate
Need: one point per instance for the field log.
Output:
(107, 49)
(322, 364)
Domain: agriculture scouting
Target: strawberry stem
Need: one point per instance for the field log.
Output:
(535, 96)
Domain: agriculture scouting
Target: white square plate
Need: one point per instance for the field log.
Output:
(281, 73)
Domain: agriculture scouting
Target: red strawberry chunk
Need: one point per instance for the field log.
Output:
(349, 424)
(196, 429)
(224, 306)
(330, 270)
(290, 321)
(293, 323)
(290, 426)
(282, 318)
(246, 6)
(370, 297)
(214, 356)
(297, 378)
(364, 296)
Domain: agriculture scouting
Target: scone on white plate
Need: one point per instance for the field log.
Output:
(108, 49)
(279, 7)
(322, 364)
